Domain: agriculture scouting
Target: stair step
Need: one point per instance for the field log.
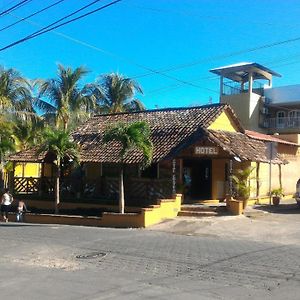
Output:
(198, 208)
(184, 213)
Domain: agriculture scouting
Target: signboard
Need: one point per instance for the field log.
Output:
(206, 150)
(271, 151)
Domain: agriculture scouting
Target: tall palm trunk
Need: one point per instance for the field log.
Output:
(1, 174)
(121, 191)
(56, 189)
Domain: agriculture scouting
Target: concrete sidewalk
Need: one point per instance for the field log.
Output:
(259, 223)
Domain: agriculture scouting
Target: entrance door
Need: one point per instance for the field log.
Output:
(200, 173)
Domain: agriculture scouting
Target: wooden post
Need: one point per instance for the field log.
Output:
(174, 176)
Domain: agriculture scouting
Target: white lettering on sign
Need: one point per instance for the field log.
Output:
(206, 150)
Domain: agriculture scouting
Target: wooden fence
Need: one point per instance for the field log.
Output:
(137, 190)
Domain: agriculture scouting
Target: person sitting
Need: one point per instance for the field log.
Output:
(21, 210)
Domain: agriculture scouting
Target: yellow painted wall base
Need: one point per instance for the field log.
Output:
(165, 209)
(266, 200)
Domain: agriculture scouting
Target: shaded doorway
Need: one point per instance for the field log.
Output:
(197, 179)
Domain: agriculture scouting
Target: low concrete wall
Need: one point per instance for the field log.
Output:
(42, 204)
(165, 209)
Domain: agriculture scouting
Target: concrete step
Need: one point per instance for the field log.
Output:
(198, 208)
(184, 213)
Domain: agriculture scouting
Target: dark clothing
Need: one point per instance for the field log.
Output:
(5, 208)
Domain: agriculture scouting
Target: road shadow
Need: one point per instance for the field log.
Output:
(15, 224)
(279, 209)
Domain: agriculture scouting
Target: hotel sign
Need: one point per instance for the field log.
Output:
(206, 150)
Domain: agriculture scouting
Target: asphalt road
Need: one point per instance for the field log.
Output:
(212, 258)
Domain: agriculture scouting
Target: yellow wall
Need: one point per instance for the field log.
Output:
(28, 170)
(223, 122)
(166, 209)
(246, 106)
(218, 178)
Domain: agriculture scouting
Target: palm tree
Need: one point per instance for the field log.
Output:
(6, 146)
(15, 93)
(59, 143)
(27, 134)
(67, 101)
(130, 136)
(118, 93)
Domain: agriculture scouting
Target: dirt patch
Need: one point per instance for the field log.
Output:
(50, 263)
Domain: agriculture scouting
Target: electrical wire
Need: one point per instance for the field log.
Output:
(224, 56)
(31, 15)
(16, 6)
(93, 47)
(47, 29)
(159, 72)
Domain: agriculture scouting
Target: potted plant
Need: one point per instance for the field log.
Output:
(241, 180)
(277, 194)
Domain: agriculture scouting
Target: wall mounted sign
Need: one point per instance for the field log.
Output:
(206, 150)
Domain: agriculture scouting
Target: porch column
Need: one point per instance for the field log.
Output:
(250, 83)
(221, 86)
(174, 176)
(180, 179)
(230, 177)
(11, 179)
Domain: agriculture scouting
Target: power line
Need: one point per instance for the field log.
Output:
(16, 6)
(224, 56)
(159, 72)
(33, 14)
(47, 29)
(117, 56)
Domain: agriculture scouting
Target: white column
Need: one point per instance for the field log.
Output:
(250, 83)
(221, 86)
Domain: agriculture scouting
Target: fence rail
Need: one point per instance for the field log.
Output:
(136, 189)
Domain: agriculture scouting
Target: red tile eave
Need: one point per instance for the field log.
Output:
(268, 138)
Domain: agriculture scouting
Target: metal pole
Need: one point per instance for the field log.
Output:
(270, 172)
(230, 178)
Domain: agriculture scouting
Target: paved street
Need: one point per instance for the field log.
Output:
(254, 257)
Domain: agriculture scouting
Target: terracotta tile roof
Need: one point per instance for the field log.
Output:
(29, 155)
(169, 128)
(268, 138)
(242, 146)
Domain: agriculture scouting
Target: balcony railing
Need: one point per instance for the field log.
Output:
(233, 88)
(282, 123)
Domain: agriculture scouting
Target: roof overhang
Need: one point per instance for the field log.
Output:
(239, 72)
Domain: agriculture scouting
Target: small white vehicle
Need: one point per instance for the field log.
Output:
(297, 194)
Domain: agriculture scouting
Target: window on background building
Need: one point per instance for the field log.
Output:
(293, 118)
(280, 119)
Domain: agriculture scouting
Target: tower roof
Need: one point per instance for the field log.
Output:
(239, 72)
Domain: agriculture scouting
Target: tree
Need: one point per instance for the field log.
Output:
(117, 94)
(6, 146)
(67, 100)
(135, 136)
(15, 94)
(27, 134)
(242, 184)
(59, 143)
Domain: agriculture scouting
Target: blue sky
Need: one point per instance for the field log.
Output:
(133, 36)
